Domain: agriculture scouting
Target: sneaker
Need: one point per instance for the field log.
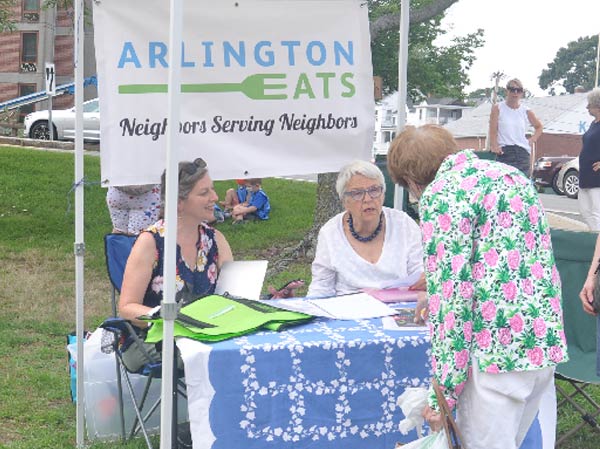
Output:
(227, 214)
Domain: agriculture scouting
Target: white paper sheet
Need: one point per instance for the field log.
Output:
(346, 307)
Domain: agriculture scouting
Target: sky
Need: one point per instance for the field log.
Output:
(522, 36)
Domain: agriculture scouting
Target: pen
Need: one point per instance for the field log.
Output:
(221, 312)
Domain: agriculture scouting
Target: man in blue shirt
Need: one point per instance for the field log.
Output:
(258, 205)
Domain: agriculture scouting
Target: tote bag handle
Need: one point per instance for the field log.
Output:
(450, 428)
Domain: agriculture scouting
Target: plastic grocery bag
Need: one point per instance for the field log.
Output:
(412, 402)
(433, 441)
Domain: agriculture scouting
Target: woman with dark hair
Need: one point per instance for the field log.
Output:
(201, 249)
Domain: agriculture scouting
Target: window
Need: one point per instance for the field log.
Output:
(26, 89)
(31, 10)
(29, 54)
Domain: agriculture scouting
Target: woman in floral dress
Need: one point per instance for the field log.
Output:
(494, 293)
(201, 249)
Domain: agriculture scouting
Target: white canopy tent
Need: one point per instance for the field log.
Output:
(308, 146)
(332, 119)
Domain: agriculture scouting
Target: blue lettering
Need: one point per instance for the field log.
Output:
(157, 52)
(310, 53)
(270, 56)
(348, 54)
(291, 56)
(185, 63)
(208, 53)
(128, 55)
(239, 55)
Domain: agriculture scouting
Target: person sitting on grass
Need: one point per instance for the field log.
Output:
(233, 197)
(258, 205)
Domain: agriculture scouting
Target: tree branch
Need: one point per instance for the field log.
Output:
(389, 21)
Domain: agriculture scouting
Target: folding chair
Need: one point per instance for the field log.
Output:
(121, 334)
(573, 252)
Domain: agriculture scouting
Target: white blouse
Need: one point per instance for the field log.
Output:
(338, 269)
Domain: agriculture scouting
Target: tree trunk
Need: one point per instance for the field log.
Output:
(328, 204)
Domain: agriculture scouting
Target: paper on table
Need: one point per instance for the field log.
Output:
(346, 307)
(391, 295)
(403, 319)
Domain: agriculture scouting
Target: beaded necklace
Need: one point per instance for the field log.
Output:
(369, 237)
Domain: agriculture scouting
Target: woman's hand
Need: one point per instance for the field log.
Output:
(596, 166)
(421, 284)
(421, 310)
(587, 294)
(433, 418)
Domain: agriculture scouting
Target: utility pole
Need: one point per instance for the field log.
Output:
(597, 60)
(496, 77)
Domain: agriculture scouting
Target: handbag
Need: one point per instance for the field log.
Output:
(453, 437)
(596, 291)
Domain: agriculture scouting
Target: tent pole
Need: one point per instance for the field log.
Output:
(79, 37)
(402, 83)
(169, 308)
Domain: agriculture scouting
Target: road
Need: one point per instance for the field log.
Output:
(561, 205)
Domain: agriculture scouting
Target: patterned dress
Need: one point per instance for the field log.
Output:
(192, 283)
(494, 290)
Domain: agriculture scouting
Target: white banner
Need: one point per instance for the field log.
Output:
(269, 88)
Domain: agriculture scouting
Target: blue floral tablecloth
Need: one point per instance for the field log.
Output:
(323, 385)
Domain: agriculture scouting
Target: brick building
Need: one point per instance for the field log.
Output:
(42, 35)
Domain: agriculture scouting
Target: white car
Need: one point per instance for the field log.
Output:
(568, 178)
(63, 120)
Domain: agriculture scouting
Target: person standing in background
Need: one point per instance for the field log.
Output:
(509, 121)
(133, 208)
(589, 166)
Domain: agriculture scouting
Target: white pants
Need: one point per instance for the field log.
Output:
(589, 206)
(495, 411)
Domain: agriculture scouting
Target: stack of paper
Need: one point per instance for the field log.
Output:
(345, 307)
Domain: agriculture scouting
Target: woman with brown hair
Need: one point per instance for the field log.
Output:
(494, 295)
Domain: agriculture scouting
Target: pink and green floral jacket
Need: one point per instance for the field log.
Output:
(494, 290)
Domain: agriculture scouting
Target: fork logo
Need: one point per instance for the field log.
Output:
(263, 86)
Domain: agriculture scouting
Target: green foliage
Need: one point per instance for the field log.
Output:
(572, 66)
(438, 71)
(6, 20)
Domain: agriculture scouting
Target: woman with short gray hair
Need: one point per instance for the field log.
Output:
(368, 245)
(589, 166)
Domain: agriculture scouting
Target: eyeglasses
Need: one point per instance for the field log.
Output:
(515, 90)
(190, 168)
(359, 194)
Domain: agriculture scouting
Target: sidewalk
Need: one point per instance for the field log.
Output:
(568, 224)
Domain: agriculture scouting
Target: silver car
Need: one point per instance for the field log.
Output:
(63, 120)
(568, 178)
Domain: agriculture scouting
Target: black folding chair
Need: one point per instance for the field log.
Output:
(573, 252)
(120, 334)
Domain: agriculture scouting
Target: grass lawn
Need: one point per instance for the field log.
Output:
(37, 283)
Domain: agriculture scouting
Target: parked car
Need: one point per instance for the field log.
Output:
(63, 120)
(568, 178)
(545, 172)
